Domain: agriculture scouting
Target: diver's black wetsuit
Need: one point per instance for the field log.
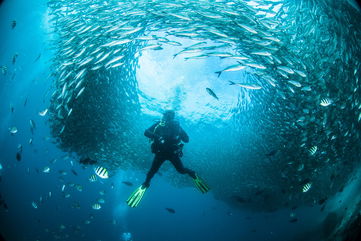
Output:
(167, 137)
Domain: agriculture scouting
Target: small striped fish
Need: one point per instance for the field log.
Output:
(96, 206)
(34, 205)
(312, 150)
(306, 187)
(93, 178)
(325, 102)
(101, 172)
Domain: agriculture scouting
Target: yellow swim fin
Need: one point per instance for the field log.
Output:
(200, 184)
(135, 198)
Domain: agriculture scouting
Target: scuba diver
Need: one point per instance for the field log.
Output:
(167, 136)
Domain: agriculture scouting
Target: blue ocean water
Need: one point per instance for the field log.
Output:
(26, 89)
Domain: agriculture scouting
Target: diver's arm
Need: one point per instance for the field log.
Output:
(183, 135)
(150, 131)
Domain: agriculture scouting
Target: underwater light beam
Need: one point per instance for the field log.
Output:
(181, 83)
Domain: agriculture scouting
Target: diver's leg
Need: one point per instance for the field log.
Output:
(200, 184)
(157, 162)
(177, 163)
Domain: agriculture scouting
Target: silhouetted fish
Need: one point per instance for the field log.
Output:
(271, 153)
(210, 92)
(74, 172)
(322, 201)
(3, 204)
(13, 23)
(18, 156)
(127, 183)
(239, 199)
(14, 58)
(87, 161)
(37, 58)
(171, 210)
(293, 220)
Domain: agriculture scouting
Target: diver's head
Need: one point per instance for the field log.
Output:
(168, 115)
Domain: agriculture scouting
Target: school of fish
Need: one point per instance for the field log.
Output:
(304, 101)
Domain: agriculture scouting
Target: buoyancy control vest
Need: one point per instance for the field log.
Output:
(169, 140)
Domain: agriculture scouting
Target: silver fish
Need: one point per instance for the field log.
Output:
(286, 69)
(114, 60)
(246, 86)
(80, 93)
(295, 83)
(235, 67)
(117, 42)
(248, 28)
(257, 66)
